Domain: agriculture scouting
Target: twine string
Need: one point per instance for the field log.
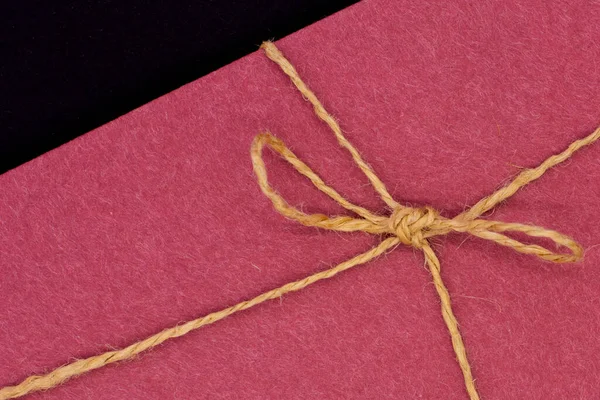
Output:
(404, 225)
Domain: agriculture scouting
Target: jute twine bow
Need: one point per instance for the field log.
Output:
(406, 225)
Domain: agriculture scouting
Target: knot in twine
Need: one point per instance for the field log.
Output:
(411, 225)
(404, 225)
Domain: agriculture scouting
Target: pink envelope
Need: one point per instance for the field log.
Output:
(156, 219)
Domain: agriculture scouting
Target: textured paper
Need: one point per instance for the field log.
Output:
(156, 218)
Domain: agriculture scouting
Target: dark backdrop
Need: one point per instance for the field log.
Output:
(67, 67)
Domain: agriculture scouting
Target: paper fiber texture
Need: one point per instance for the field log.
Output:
(156, 218)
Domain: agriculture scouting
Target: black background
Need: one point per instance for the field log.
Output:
(67, 67)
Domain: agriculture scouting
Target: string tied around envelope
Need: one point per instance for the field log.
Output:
(404, 225)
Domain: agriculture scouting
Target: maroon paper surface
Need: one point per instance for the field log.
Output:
(156, 218)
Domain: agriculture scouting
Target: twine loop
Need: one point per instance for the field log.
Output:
(410, 224)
